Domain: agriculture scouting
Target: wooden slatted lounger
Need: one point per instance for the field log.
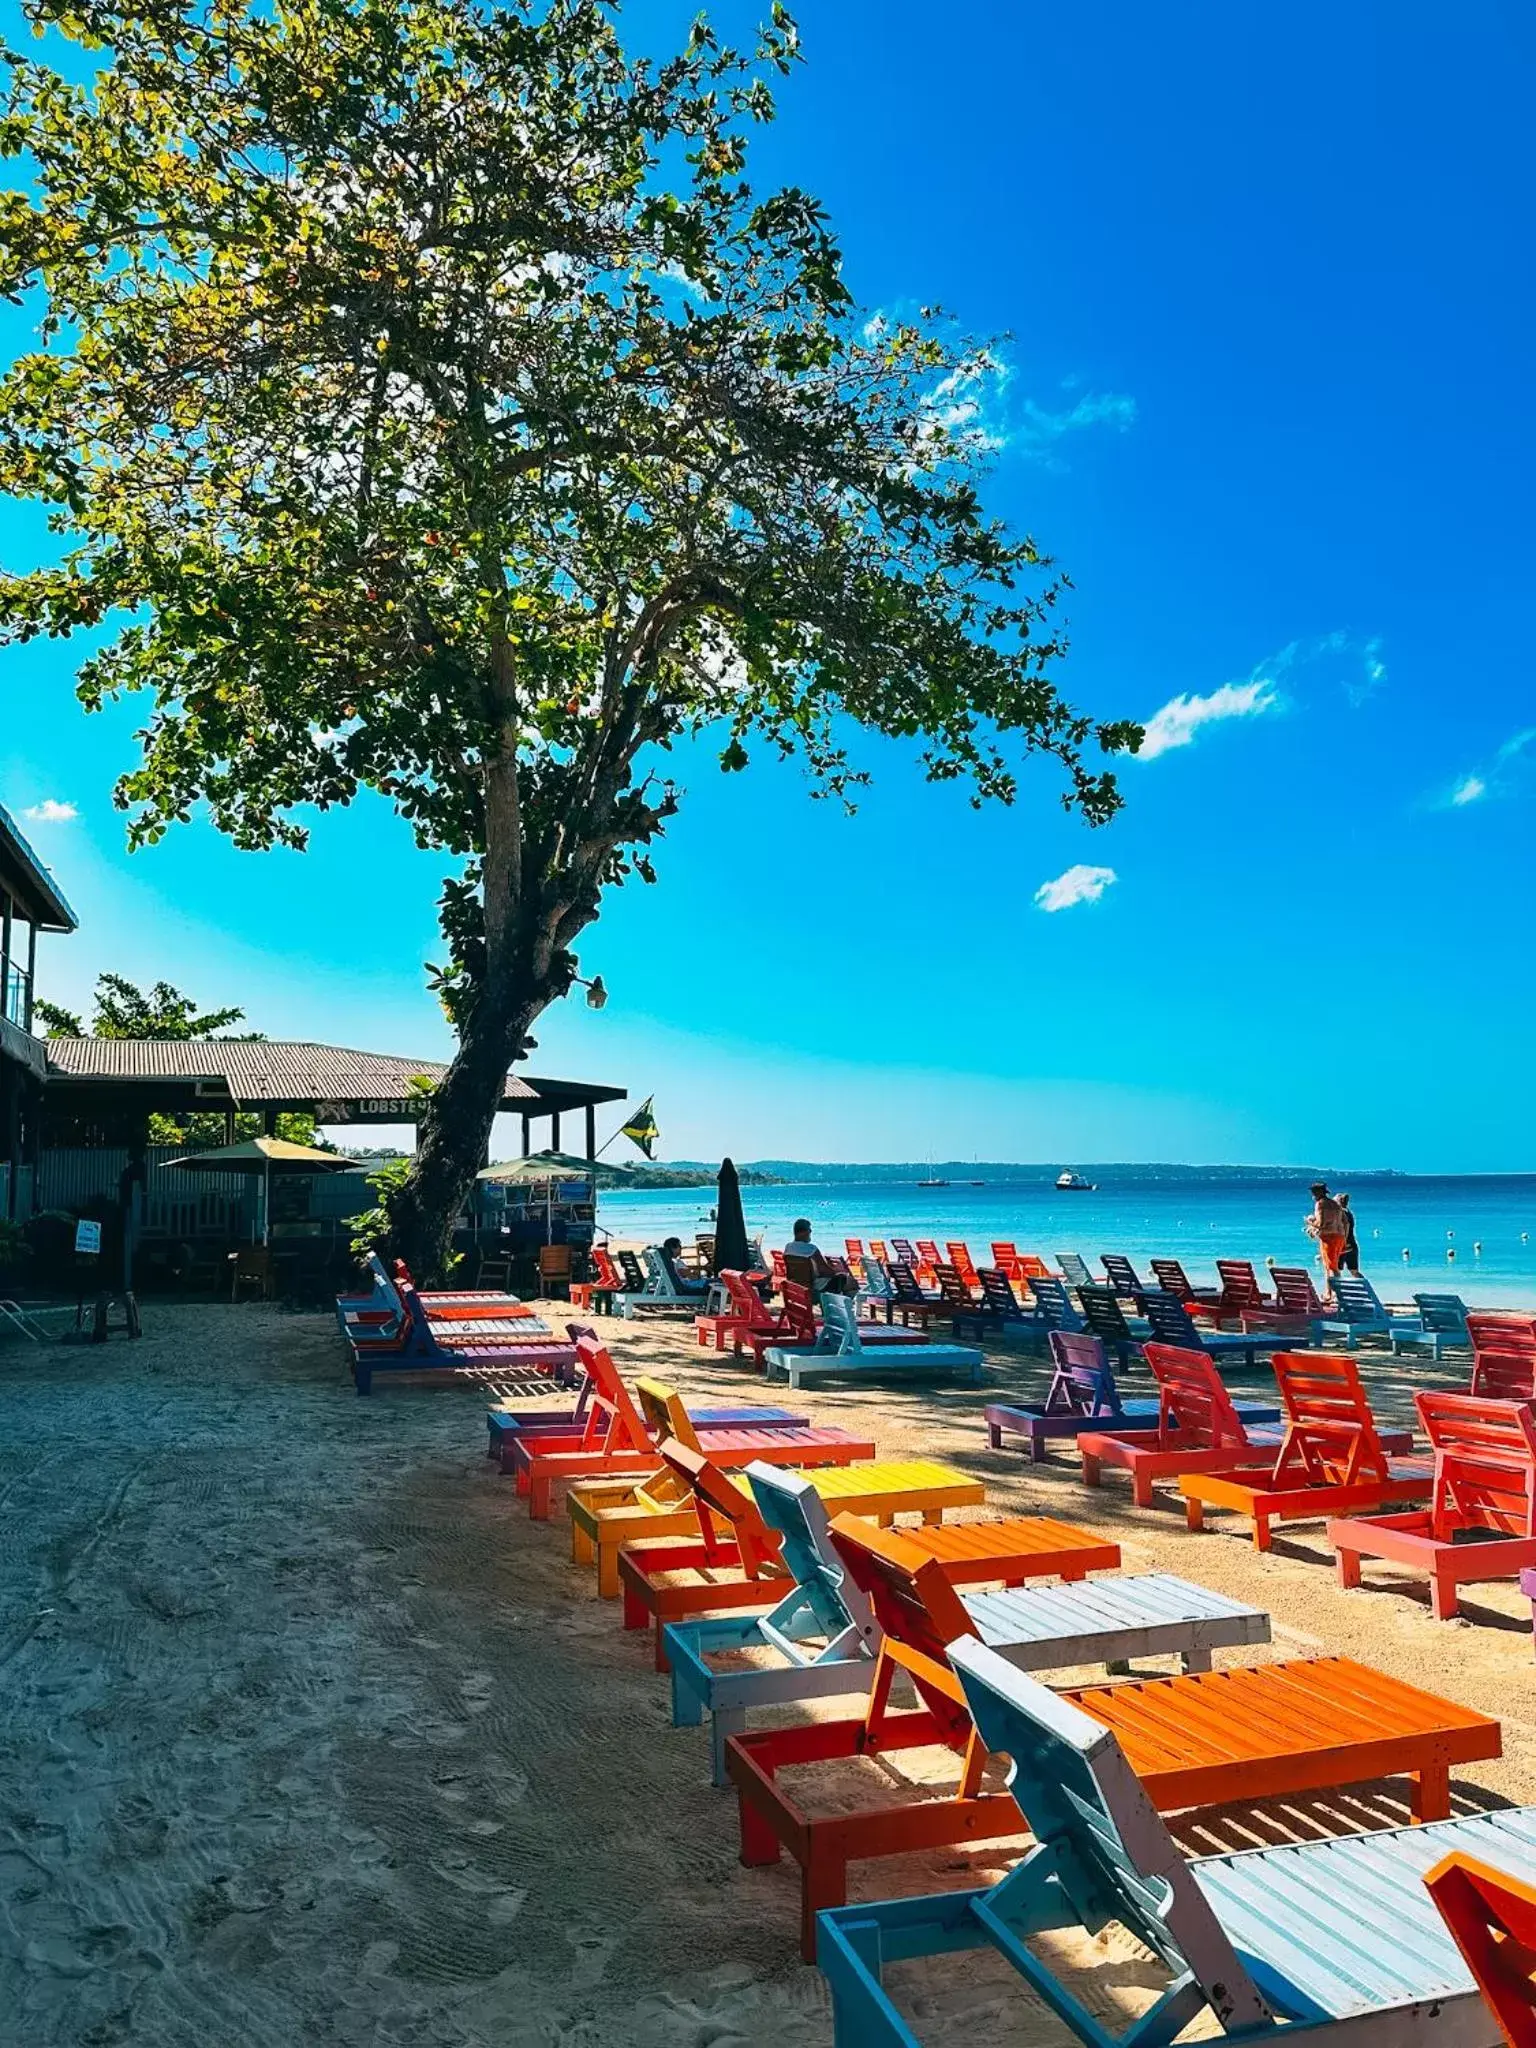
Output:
(734, 1559)
(1333, 1460)
(822, 1637)
(617, 1441)
(1198, 1427)
(1331, 1944)
(848, 1352)
(503, 1422)
(1084, 1400)
(605, 1517)
(1484, 1486)
(1254, 1732)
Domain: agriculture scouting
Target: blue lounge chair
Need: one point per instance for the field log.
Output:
(1109, 1323)
(1123, 1276)
(1083, 1396)
(1074, 1271)
(1172, 1324)
(1442, 1322)
(1333, 1941)
(998, 1311)
(1359, 1311)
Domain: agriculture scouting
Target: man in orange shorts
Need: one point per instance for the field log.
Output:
(1328, 1225)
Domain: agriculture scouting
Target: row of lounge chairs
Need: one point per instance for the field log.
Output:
(759, 1590)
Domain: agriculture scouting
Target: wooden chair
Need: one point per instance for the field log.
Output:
(554, 1270)
(1333, 1460)
(1327, 1942)
(1503, 1356)
(1200, 1739)
(1198, 1427)
(250, 1266)
(1484, 1486)
(1491, 1916)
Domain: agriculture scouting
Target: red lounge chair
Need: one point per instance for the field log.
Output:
(616, 1440)
(1198, 1429)
(1503, 1356)
(1334, 1460)
(1173, 1279)
(1484, 1485)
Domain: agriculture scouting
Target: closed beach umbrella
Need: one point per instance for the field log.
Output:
(732, 1253)
(259, 1159)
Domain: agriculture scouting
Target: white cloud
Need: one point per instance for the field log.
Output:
(1469, 789)
(1078, 885)
(1176, 724)
(50, 812)
(1507, 774)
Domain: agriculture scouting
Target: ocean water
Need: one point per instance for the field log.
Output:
(1409, 1227)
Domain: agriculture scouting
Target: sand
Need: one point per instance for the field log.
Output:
(309, 1735)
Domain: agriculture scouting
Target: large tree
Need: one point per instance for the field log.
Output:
(432, 406)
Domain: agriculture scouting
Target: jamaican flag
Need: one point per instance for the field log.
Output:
(643, 1129)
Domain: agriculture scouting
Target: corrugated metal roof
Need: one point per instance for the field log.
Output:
(279, 1069)
(35, 888)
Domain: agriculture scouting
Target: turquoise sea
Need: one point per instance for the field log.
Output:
(1408, 1226)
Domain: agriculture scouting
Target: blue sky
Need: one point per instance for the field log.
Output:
(1270, 293)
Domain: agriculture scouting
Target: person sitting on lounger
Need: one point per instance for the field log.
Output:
(680, 1280)
(823, 1279)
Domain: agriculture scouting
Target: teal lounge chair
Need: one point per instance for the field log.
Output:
(1334, 1941)
(1359, 1311)
(1442, 1322)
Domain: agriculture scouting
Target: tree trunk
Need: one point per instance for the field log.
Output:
(456, 1129)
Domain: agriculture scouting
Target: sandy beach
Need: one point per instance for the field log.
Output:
(311, 1736)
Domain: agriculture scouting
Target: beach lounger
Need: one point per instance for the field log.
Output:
(1359, 1311)
(1334, 1941)
(998, 1311)
(1074, 1270)
(731, 1560)
(1172, 1323)
(823, 1638)
(1442, 1325)
(504, 1423)
(1333, 1460)
(1108, 1322)
(1084, 1397)
(851, 1349)
(797, 1330)
(1122, 1276)
(1005, 1257)
(1057, 1309)
(617, 1441)
(1481, 1520)
(1503, 1356)
(1299, 1300)
(1198, 1428)
(1491, 1917)
(960, 1258)
(1200, 1739)
(607, 1514)
(1173, 1279)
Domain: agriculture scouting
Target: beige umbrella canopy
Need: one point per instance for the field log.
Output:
(260, 1158)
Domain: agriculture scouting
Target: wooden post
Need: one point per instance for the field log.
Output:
(527, 1146)
(5, 956)
(554, 1131)
(591, 1130)
(269, 1115)
(229, 1125)
(26, 1022)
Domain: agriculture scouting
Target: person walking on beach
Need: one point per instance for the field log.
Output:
(1349, 1258)
(1327, 1224)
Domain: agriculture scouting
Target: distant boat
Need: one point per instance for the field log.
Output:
(933, 1183)
(1074, 1184)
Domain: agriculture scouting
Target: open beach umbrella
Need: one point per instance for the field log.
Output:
(732, 1253)
(548, 1167)
(260, 1158)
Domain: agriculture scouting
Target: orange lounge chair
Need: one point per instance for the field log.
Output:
(1491, 1917)
(1202, 1739)
(1198, 1429)
(616, 1439)
(732, 1559)
(1333, 1460)
(1484, 1485)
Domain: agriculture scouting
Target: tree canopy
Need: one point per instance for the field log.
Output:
(432, 405)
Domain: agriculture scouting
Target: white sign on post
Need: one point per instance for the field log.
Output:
(87, 1236)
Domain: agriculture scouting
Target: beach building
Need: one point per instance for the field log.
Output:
(76, 1113)
(30, 902)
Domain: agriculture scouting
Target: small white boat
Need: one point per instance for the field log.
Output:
(1070, 1183)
